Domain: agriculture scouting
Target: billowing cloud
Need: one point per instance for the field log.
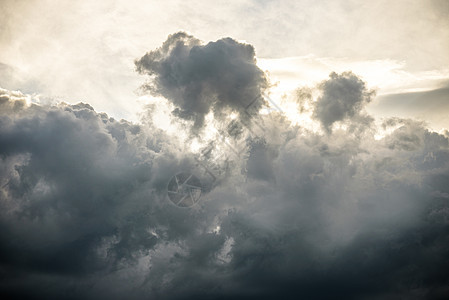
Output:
(343, 98)
(199, 78)
(74, 185)
(296, 214)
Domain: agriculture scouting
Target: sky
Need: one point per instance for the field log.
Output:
(224, 149)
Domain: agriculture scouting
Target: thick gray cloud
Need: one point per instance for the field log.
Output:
(299, 214)
(199, 78)
(78, 187)
(343, 98)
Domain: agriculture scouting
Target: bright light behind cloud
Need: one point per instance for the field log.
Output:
(84, 51)
(386, 76)
(229, 149)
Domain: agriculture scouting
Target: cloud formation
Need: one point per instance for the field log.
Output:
(343, 98)
(200, 78)
(300, 214)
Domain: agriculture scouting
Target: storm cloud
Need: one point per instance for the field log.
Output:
(340, 213)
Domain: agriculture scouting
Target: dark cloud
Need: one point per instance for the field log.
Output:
(78, 187)
(343, 98)
(297, 214)
(199, 78)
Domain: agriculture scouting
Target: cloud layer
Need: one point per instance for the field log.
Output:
(299, 214)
